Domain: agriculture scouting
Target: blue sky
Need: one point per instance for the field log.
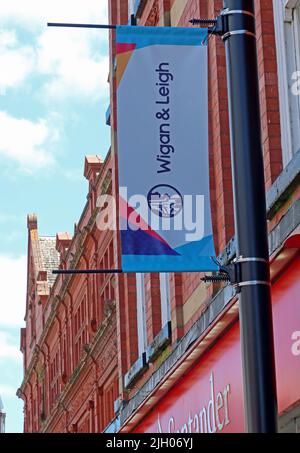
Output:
(53, 98)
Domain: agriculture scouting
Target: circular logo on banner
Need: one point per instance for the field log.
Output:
(165, 201)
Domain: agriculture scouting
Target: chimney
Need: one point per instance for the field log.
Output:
(63, 241)
(32, 222)
(92, 167)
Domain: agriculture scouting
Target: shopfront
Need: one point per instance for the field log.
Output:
(209, 398)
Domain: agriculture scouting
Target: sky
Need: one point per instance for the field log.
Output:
(53, 98)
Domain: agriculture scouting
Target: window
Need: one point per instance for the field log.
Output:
(132, 7)
(80, 338)
(141, 315)
(29, 421)
(165, 298)
(54, 378)
(64, 356)
(287, 30)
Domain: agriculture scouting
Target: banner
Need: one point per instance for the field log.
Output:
(162, 130)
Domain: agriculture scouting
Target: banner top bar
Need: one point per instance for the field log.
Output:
(57, 24)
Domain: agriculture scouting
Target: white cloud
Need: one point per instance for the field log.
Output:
(7, 38)
(13, 273)
(16, 61)
(8, 349)
(71, 60)
(36, 13)
(26, 142)
(74, 65)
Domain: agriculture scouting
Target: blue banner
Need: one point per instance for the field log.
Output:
(162, 129)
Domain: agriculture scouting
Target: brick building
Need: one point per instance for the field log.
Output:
(161, 352)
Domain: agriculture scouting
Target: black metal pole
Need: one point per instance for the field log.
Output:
(250, 217)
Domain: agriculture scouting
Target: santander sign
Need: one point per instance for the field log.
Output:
(208, 399)
(208, 419)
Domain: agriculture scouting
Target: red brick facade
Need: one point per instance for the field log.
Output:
(81, 331)
(70, 344)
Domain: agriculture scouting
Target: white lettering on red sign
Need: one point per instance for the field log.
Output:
(208, 419)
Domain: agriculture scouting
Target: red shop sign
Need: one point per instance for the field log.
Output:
(210, 397)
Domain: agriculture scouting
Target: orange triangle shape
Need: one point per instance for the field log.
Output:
(122, 62)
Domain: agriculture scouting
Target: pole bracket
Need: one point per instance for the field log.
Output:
(218, 25)
(232, 273)
(227, 274)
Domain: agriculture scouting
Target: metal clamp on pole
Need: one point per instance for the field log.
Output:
(246, 271)
(237, 16)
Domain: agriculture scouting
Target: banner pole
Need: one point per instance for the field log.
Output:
(86, 271)
(65, 25)
(250, 217)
